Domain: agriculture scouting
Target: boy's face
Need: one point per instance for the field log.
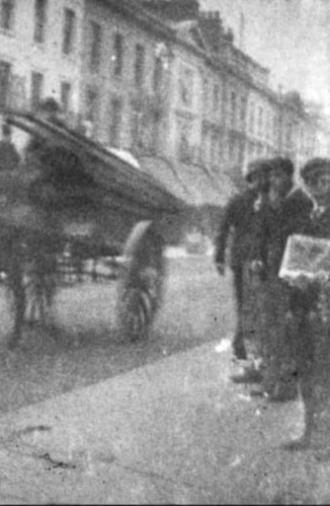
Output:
(280, 182)
(259, 180)
(318, 185)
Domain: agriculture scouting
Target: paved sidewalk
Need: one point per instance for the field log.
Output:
(176, 431)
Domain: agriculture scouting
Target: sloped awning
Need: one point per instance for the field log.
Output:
(124, 185)
(166, 173)
(208, 189)
(195, 184)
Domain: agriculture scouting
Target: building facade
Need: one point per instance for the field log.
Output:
(153, 77)
(40, 51)
(171, 83)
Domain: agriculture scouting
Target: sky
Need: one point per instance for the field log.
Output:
(290, 37)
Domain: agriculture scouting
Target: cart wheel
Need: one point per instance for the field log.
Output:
(140, 289)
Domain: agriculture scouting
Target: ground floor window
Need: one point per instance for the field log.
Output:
(5, 70)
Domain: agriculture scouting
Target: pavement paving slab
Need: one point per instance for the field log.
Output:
(173, 432)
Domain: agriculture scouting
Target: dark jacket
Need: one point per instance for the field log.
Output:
(241, 216)
(316, 226)
(292, 217)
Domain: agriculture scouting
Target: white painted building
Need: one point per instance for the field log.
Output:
(40, 51)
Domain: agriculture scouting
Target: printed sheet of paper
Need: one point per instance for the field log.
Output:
(305, 255)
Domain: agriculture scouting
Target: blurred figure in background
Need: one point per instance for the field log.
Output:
(241, 222)
(9, 157)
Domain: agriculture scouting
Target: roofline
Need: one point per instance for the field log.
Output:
(156, 25)
(142, 15)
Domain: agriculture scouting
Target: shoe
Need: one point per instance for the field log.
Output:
(249, 376)
(283, 395)
(239, 351)
(258, 392)
(296, 445)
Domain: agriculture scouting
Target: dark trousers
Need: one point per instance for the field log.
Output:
(238, 342)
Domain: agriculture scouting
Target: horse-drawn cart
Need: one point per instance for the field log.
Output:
(70, 190)
(76, 187)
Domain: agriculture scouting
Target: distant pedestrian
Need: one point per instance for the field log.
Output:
(241, 222)
(9, 157)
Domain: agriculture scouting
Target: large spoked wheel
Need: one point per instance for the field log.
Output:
(141, 286)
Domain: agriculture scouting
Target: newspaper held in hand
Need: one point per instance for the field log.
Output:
(307, 257)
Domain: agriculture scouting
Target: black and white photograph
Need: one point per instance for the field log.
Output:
(164, 252)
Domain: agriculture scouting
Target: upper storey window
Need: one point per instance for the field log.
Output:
(7, 14)
(40, 11)
(68, 31)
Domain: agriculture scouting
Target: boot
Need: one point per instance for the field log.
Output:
(283, 392)
(239, 349)
(250, 375)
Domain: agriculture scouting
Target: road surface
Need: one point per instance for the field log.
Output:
(198, 308)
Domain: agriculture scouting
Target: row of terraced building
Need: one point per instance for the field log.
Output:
(161, 79)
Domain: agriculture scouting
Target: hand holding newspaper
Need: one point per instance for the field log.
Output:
(306, 260)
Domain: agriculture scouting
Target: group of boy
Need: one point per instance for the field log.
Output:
(290, 337)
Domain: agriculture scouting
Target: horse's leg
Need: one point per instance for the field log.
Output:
(19, 307)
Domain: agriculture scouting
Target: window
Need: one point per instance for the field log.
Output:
(220, 149)
(274, 126)
(216, 94)
(40, 7)
(4, 83)
(260, 121)
(289, 134)
(139, 64)
(91, 105)
(214, 151)
(231, 149)
(233, 109)
(158, 74)
(115, 121)
(242, 111)
(184, 147)
(251, 126)
(96, 42)
(240, 152)
(37, 82)
(65, 95)
(135, 129)
(155, 133)
(118, 54)
(68, 31)
(206, 94)
(204, 145)
(7, 14)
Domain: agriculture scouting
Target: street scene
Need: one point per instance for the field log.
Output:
(164, 252)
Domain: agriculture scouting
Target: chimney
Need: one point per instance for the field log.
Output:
(210, 24)
(174, 10)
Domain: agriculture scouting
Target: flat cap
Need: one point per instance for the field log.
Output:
(315, 166)
(259, 165)
(281, 163)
